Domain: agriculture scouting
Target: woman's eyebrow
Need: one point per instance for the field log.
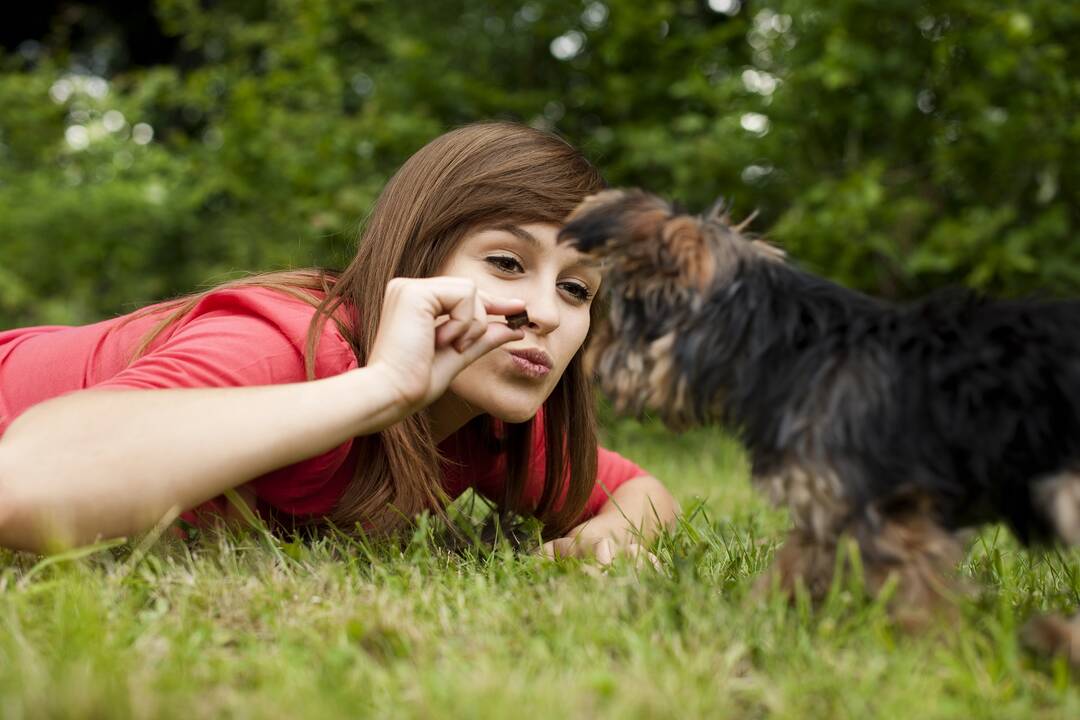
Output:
(528, 237)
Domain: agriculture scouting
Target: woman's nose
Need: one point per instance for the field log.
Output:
(544, 312)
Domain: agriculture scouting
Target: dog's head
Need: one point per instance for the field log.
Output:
(661, 266)
(651, 248)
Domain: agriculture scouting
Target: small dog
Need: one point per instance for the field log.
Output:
(894, 425)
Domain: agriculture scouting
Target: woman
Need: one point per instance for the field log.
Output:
(417, 390)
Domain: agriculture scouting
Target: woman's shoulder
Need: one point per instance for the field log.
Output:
(281, 313)
(238, 335)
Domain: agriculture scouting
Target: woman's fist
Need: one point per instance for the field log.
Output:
(430, 329)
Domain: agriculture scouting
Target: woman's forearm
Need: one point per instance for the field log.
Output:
(112, 462)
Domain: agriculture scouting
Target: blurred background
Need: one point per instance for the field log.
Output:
(148, 149)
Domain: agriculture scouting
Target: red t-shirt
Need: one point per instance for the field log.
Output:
(243, 337)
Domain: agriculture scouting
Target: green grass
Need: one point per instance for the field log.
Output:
(233, 626)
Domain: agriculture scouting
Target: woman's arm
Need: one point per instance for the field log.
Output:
(112, 462)
(108, 462)
(629, 520)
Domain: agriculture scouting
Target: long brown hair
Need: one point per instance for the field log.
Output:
(480, 175)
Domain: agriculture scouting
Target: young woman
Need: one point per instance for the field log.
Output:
(357, 398)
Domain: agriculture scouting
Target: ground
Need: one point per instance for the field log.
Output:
(243, 628)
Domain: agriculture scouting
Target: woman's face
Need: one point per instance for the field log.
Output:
(557, 284)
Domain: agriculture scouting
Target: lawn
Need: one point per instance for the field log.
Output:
(237, 626)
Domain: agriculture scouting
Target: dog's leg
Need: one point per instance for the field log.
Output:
(803, 560)
(911, 551)
(1057, 498)
(814, 498)
(901, 541)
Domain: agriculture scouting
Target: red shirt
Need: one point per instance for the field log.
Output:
(241, 337)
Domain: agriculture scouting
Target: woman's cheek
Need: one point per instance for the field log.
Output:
(577, 339)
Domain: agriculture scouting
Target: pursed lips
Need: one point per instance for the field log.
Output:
(534, 355)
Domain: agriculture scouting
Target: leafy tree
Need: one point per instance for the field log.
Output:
(893, 145)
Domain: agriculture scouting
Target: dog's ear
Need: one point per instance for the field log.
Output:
(615, 219)
(597, 201)
(719, 214)
(644, 238)
(686, 250)
(768, 250)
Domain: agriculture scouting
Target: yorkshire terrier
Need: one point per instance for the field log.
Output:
(895, 425)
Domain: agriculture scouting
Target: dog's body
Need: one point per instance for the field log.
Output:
(894, 424)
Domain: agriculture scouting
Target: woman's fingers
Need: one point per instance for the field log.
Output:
(449, 331)
(486, 305)
(476, 328)
(642, 557)
(557, 548)
(463, 311)
(462, 300)
(457, 297)
(602, 550)
(492, 305)
(431, 328)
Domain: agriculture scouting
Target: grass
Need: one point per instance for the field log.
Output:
(235, 626)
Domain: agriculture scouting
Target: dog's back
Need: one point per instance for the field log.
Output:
(994, 391)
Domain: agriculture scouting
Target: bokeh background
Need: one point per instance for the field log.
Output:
(148, 149)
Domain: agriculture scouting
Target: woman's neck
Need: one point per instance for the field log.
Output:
(449, 414)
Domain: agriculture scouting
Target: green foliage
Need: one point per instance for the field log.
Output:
(893, 145)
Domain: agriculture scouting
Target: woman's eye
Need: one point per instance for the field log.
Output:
(510, 264)
(506, 263)
(579, 291)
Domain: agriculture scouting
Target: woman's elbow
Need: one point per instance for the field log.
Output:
(658, 499)
(663, 496)
(7, 497)
(20, 526)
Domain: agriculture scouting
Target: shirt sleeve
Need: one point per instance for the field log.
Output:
(216, 349)
(225, 344)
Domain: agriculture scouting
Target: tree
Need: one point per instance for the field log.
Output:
(893, 145)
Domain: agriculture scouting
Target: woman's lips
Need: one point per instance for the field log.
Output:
(530, 364)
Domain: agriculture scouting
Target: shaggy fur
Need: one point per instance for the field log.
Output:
(892, 424)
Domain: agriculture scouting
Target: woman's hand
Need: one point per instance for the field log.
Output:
(625, 525)
(601, 539)
(430, 329)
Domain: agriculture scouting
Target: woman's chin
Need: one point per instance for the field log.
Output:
(514, 414)
(507, 399)
(513, 407)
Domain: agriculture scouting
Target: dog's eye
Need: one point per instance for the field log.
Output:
(579, 291)
(505, 263)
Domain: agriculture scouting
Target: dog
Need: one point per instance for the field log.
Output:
(894, 425)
